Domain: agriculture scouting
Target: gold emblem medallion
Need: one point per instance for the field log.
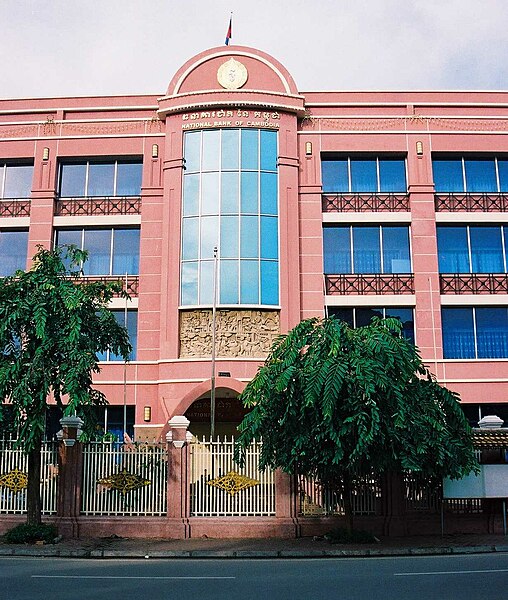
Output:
(232, 74)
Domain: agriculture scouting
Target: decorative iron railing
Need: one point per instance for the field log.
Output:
(132, 282)
(220, 488)
(125, 480)
(474, 284)
(13, 207)
(471, 202)
(13, 477)
(90, 206)
(369, 284)
(365, 203)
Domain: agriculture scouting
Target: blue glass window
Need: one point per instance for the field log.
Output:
(475, 175)
(100, 178)
(111, 251)
(13, 251)
(129, 320)
(480, 175)
(396, 250)
(502, 166)
(361, 316)
(366, 250)
(475, 332)
(471, 249)
(337, 250)
(364, 175)
(16, 181)
(234, 206)
(448, 175)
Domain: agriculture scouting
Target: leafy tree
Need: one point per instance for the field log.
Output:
(336, 403)
(52, 326)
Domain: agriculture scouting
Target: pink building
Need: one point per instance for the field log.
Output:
(347, 203)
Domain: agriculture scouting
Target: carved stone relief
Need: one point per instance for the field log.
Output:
(248, 333)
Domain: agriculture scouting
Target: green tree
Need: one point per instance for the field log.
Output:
(335, 403)
(52, 327)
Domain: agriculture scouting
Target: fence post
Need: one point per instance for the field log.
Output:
(70, 471)
(178, 439)
(285, 499)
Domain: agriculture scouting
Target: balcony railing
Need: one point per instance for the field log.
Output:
(369, 284)
(14, 207)
(471, 202)
(90, 206)
(132, 282)
(365, 202)
(474, 284)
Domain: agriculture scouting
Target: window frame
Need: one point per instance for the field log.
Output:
(4, 165)
(380, 308)
(23, 230)
(463, 158)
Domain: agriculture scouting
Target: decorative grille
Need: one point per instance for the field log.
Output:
(365, 203)
(91, 206)
(471, 202)
(369, 284)
(473, 284)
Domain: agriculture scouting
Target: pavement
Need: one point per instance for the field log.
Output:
(307, 547)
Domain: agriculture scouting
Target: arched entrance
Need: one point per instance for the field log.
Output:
(228, 413)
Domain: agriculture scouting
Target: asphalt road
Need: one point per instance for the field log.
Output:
(470, 577)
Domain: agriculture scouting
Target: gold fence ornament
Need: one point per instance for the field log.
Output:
(14, 480)
(124, 482)
(233, 482)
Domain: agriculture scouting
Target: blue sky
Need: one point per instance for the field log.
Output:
(95, 47)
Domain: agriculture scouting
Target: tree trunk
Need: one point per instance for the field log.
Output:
(346, 497)
(33, 491)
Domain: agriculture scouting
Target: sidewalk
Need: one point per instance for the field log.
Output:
(259, 548)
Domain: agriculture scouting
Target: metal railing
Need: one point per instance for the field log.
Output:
(369, 284)
(91, 206)
(471, 202)
(473, 284)
(114, 479)
(212, 459)
(132, 282)
(13, 459)
(365, 202)
(15, 207)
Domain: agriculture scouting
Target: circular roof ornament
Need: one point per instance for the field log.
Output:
(232, 74)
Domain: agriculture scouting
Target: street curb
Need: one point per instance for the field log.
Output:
(55, 552)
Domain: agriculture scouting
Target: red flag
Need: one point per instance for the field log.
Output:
(229, 34)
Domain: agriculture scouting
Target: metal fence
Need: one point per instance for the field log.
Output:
(219, 487)
(13, 477)
(317, 500)
(124, 480)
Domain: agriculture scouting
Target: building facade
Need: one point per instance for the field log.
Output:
(285, 205)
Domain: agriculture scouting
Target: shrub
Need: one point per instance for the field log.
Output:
(29, 534)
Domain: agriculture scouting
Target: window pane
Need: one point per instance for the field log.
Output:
(336, 250)
(335, 176)
(72, 180)
(190, 239)
(249, 237)
(206, 269)
(13, 251)
(211, 150)
(229, 281)
(190, 195)
(486, 249)
(132, 329)
(364, 315)
(230, 149)
(192, 151)
(502, 168)
(72, 237)
(229, 237)
(269, 282)
(249, 282)
(209, 236)
(249, 197)
(250, 151)
(2, 172)
(452, 250)
(268, 150)
(125, 251)
(101, 178)
(341, 313)
(366, 250)
(392, 175)
(128, 179)
(448, 175)
(269, 193)
(480, 175)
(189, 284)
(230, 193)
(396, 250)
(18, 181)
(269, 238)
(492, 332)
(458, 333)
(210, 194)
(405, 315)
(98, 244)
(363, 176)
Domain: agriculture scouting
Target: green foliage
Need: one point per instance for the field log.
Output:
(29, 534)
(346, 536)
(52, 327)
(334, 402)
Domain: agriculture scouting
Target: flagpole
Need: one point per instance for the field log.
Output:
(214, 333)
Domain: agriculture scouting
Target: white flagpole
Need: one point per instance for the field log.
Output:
(214, 333)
